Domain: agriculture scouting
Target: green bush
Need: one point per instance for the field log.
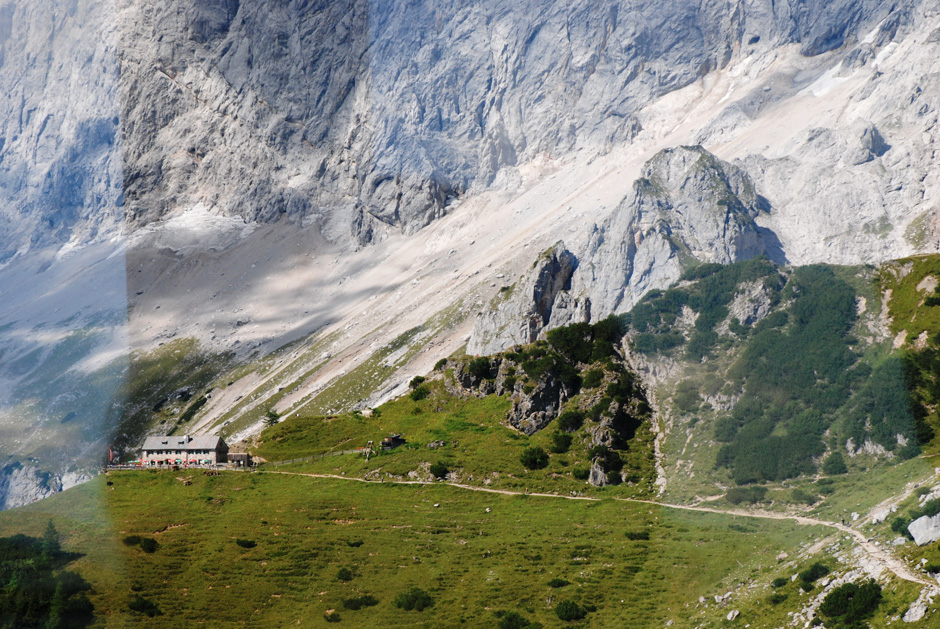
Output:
(561, 442)
(815, 571)
(779, 582)
(414, 599)
(570, 420)
(557, 583)
(851, 603)
(776, 598)
(581, 473)
(479, 368)
(420, 393)
(609, 460)
(331, 616)
(569, 611)
(834, 465)
(637, 536)
(510, 383)
(439, 470)
(514, 620)
(359, 602)
(344, 574)
(751, 495)
(146, 607)
(416, 382)
(802, 496)
(354, 543)
(131, 540)
(534, 458)
(593, 378)
(246, 543)
(148, 544)
(440, 364)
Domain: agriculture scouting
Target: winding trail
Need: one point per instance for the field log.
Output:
(874, 552)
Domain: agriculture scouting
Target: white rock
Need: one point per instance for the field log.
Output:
(925, 529)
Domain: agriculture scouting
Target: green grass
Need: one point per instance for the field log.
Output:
(478, 445)
(907, 304)
(442, 539)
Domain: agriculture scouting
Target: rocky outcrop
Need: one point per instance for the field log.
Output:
(689, 207)
(539, 297)
(23, 484)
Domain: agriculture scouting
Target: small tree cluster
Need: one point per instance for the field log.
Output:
(534, 458)
(414, 599)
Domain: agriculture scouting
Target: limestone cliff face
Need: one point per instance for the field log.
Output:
(369, 117)
(689, 207)
(60, 167)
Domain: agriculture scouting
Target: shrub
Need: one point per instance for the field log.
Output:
(510, 383)
(414, 599)
(561, 442)
(534, 458)
(359, 602)
(593, 378)
(609, 460)
(780, 582)
(737, 495)
(480, 368)
(141, 605)
(420, 393)
(802, 496)
(331, 616)
(581, 473)
(344, 574)
(513, 620)
(815, 571)
(440, 364)
(148, 544)
(638, 536)
(899, 525)
(573, 341)
(354, 544)
(439, 470)
(852, 603)
(246, 543)
(131, 540)
(557, 583)
(416, 382)
(569, 610)
(834, 465)
(806, 586)
(569, 421)
(932, 568)
(776, 598)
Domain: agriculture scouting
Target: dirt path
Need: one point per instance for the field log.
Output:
(875, 553)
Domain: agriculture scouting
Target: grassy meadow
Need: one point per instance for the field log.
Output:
(476, 554)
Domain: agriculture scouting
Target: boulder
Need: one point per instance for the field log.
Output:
(925, 529)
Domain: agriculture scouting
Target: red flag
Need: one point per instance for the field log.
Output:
(110, 455)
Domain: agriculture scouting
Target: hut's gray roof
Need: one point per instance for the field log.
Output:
(184, 442)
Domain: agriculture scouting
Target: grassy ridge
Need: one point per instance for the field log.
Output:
(477, 445)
